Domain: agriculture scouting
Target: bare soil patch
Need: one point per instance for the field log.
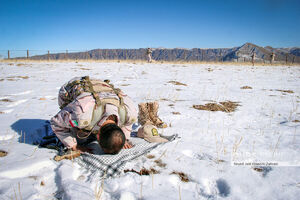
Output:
(3, 153)
(143, 171)
(226, 106)
(177, 83)
(183, 177)
(246, 87)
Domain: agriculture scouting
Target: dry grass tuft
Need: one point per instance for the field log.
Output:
(14, 78)
(3, 153)
(150, 156)
(258, 169)
(143, 171)
(177, 83)
(20, 64)
(226, 106)
(286, 91)
(1, 79)
(84, 68)
(176, 113)
(42, 98)
(246, 87)
(296, 121)
(1, 112)
(42, 183)
(171, 105)
(6, 100)
(160, 163)
(125, 85)
(183, 177)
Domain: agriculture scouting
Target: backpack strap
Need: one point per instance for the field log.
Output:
(88, 87)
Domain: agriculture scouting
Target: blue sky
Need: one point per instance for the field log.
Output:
(90, 24)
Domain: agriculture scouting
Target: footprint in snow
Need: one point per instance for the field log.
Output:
(211, 189)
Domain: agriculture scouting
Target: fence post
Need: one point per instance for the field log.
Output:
(8, 56)
(48, 55)
(286, 59)
(293, 59)
(66, 55)
(27, 54)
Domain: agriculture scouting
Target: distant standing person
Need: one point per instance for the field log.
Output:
(149, 54)
(253, 58)
(272, 57)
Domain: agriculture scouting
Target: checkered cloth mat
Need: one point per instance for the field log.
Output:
(113, 165)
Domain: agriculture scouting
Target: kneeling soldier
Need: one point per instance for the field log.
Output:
(94, 110)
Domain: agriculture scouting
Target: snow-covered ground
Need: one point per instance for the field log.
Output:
(212, 153)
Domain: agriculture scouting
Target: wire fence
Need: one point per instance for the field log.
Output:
(185, 55)
(11, 54)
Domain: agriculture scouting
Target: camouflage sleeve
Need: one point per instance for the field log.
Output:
(127, 131)
(131, 117)
(60, 125)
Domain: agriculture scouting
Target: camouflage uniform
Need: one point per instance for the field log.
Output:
(71, 122)
(149, 52)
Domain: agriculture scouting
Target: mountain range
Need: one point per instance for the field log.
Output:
(235, 54)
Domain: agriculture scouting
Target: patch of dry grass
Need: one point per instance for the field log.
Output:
(183, 177)
(150, 156)
(226, 106)
(6, 100)
(176, 113)
(84, 68)
(3, 153)
(296, 121)
(177, 83)
(22, 61)
(125, 85)
(286, 91)
(15, 78)
(160, 163)
(246, 87)
(143, 171)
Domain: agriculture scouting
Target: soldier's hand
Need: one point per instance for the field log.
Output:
(84, 149)
(127, 145)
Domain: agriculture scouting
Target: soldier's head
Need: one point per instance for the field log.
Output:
(111, 138)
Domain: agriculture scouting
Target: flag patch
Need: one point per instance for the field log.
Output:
(73, 123)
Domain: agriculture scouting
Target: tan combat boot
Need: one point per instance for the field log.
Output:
(143, 116)
(153, 110)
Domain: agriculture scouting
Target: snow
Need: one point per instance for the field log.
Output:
(213, 151)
